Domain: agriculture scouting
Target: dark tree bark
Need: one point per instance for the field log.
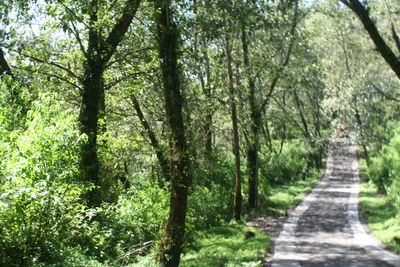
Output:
(98, 53)
(162, 159)
(386, 52)
(237, 203)
(167, 37)
(255, 120)
(4, 67)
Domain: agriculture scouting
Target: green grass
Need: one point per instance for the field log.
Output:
(284, 197)
(227, 246)
(380, 216)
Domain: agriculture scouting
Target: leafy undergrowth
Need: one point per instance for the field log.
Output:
(284, 197)
(229, 245)
(226, 245)
(380, 215)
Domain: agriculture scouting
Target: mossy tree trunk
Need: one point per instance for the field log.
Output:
(255, 124)
(168, 38)
(98, 53)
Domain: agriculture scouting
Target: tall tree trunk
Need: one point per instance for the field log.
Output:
(167, 37)
(313, 157)
(99, 52)
(255, 120)
(237, 202)
(267, 137)
(88, 119)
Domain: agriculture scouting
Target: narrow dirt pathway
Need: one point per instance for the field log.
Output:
(324, 230)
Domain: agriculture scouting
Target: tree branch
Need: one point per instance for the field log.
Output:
(162, 159)
(119, 29)
(126, 77)
(78, 38)
(285, 61)
(70, 72)
(62, 79)
(381, 46)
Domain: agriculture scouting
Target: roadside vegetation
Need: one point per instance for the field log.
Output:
(235, 244)
(380, 195)
(380, 216)
(135, 130)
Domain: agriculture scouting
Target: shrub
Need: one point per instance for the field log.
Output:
(384, 167)
(210, 200)
(137, 218)
(39, 194)
(280, 168)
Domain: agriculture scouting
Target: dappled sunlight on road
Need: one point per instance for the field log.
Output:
(324, 230)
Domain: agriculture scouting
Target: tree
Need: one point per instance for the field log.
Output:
(98, 53)
(381, 46)
(237, 203)
(168, 49)
(256, 107)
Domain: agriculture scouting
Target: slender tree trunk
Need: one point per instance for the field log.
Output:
(255, 120)
(283, 138)
(209, 117)
(162, 159)
(268, 139)
(167, 37)
(237, 202)
(360, 125)
(313, 157)
(207, 92)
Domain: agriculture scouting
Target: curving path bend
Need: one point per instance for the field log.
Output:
(324, 230)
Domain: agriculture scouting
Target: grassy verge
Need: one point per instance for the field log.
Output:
(380, 216)
(284, 197)
(227, 245)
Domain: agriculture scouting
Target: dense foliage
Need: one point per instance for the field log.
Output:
(129, 129)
